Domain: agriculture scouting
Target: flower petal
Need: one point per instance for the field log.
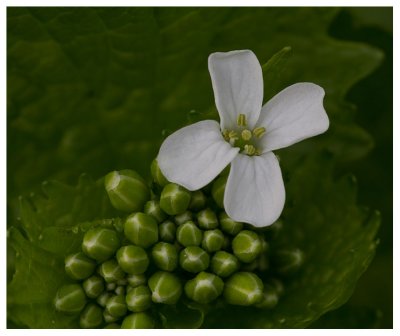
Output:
(238, 86)
(294, 114)
(194, 155)
(255, 192)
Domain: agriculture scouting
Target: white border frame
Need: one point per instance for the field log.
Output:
(207, 3)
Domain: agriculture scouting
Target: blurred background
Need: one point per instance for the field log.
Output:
(94, 90)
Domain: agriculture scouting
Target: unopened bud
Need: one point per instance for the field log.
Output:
(165, 287)
(174, 199)
(127, 190)
(204, 288)
(243, 289)
(141, 229)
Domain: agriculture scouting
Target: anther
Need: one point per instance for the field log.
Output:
(241, 120)
(233, 135)
(249, 149)
(246, 135)
(259, 131)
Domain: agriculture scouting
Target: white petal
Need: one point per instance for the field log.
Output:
(294, 114)
(194, 155)
(238, 86)
(255, 192)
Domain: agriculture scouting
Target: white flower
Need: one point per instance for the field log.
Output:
(248, 133)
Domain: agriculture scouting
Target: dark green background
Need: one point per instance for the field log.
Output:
(92, 90)
(374, 98)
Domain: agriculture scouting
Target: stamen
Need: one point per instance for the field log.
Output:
(225, 134)
(246, 135)
(241, 120)
(249, 150)
(259, 131)
(233, 135)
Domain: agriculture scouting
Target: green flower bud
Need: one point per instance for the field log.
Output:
(194, 259)
(165, 256)
(213, 240)
(224, 264)
(91, 317)
(174, 199)
(165, 287)
(116, 306)
(138, 321)
(183, 217)
(270, 297)
(108, 318)
(78, 266)
(133, 259)
(204, 288)
(287, 262)
(246, 246)
(198, 201)
(207, 219)
(153, 208)
(103, 298)
(135, 280)
(139, 299)
(112, 326)
(120, 290)
(111, 286)
(111, 271)
(157, 175)
(93, 286)
(228, 225)
(189, 234)
(141, 229)
(243, 289)
(167, 231)
(127, 190)
(100, 244)
(70, 299)
(218, 190)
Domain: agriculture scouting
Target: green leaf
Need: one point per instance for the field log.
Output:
(321, 218)
(50, 229)
(349, 317)
(276, 65)
(184, 315)
(337, 238)
(92, 89)
(36, 280)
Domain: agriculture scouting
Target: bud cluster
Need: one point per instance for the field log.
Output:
(174, 244)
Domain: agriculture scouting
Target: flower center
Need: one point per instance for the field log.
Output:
(243, 137)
